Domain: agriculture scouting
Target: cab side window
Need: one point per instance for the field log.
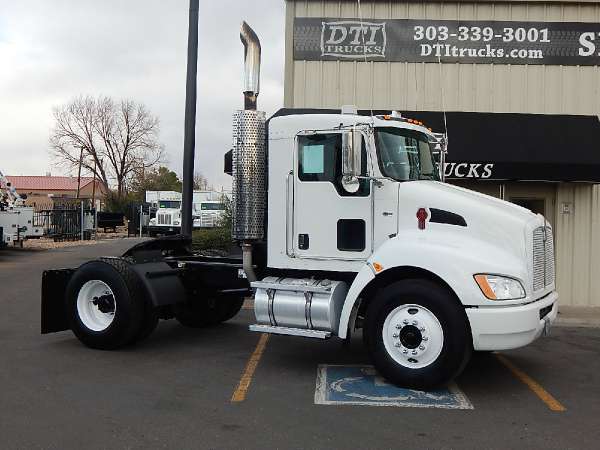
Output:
(320, 159)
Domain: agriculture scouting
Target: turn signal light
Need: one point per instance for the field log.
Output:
(485, 286)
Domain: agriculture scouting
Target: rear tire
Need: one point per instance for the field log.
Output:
(205, 312)
(417, 335)
(105, 304)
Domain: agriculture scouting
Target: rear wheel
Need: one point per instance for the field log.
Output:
(417, 335)
(207, 311)
(105, 304)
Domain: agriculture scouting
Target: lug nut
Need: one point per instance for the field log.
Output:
(405, 321)
(395, 335)
(425, 338)
(414, 352)
(398, 326)
(397, 344)
(422, 329)
(405, 351)
(414, 322)
(421, 347)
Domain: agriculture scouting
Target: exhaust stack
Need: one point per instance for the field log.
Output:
(251, 66)
(249, 157)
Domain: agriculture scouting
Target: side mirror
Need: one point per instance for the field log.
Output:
(351, 160)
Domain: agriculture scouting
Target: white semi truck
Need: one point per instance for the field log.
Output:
(344, 225)
(166, 207)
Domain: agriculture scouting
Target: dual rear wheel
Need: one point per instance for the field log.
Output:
(107, 307)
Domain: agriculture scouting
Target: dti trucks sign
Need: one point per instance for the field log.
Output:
(450, 41)
(352, 39)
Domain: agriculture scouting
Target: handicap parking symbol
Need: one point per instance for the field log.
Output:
(362, 385)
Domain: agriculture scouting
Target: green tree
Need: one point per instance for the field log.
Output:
(160, 179)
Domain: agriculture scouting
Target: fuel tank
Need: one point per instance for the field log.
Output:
(299, 303)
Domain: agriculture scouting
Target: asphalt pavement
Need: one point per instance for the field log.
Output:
(175, 389)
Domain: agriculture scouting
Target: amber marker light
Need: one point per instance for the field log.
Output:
(485, 287)
(378, 267)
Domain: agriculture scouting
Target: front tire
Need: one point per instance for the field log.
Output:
(104, 304)
(417, 335)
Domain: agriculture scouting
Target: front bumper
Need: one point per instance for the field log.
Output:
(506, 327)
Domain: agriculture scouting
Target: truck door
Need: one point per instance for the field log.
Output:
(386, 210)
(329, 222)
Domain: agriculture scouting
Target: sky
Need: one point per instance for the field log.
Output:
(54, 50)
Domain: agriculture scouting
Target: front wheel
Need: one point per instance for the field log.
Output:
(417, 335)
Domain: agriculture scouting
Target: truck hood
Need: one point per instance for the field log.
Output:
(504, 225)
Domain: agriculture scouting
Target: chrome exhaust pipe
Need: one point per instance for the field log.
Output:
(251, 66)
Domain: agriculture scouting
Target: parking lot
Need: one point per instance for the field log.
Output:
(225, 387)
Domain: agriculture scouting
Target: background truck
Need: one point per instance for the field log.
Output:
(344, 225)
(208, 209)
(165, 212)
(16, 219)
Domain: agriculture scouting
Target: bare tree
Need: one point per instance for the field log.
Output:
(114, 139)
(201, 182)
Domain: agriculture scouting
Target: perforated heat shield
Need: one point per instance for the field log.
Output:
(249, 172)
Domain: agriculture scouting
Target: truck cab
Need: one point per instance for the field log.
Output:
(167, 216)
(401, 226)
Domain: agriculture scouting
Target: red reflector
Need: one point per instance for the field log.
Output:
(421, 217)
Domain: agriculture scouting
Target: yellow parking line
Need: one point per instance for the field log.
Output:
(544, 395)
(240, 393)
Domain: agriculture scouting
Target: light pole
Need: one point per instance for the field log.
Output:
(189, 140)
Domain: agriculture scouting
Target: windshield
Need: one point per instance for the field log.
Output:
(405, 155)
(171, 204)
(212, 206)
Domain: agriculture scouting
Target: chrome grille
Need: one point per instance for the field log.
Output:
(164, 219)
(543, 258)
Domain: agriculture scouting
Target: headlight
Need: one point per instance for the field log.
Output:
(496, 287)
(176, 222)
(152, 221)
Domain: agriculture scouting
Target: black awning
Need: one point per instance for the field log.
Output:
(507, 146)
(519, 146)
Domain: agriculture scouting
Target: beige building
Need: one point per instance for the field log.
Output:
(47, 192)
(529, 58)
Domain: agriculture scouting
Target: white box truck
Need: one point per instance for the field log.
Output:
(345, 225)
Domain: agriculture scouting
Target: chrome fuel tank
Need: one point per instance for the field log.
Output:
(299, 303)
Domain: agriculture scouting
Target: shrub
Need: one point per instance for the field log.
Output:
(218, 238)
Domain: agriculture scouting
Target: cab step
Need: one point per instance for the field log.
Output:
(315, 334)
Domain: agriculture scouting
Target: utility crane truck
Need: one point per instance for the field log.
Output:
(16, 219)
(344, 224)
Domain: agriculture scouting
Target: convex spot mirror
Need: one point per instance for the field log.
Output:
(351, 160)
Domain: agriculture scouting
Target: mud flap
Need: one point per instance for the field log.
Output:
(54, 286)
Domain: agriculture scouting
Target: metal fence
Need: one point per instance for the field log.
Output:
(63, 224)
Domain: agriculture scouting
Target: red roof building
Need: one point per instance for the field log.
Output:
(45, 191)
